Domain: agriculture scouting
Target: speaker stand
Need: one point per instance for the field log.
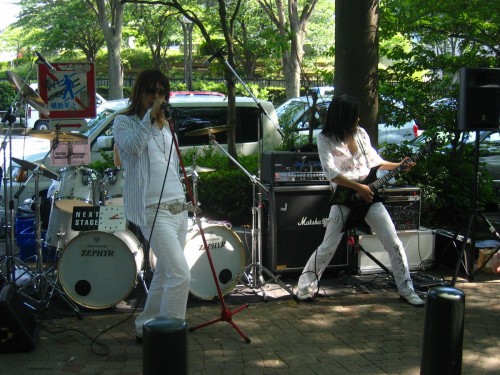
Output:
(467, 255)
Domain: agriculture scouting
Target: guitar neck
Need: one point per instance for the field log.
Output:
(375, 185)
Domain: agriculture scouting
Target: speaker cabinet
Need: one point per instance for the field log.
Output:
(17, 324)
(479, 99)
(418, 245)
(295, 228)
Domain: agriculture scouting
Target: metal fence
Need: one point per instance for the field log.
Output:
(128, 81)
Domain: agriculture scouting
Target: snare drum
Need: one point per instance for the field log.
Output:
(99, 269)
(79, 187)
(228, 257)
(113, 185)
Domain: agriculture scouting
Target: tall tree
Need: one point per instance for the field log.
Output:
(356, 57)
(60, 25)
(227, 12)
(291, 24)
(110, 15)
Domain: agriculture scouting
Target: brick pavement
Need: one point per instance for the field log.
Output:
(352, 328)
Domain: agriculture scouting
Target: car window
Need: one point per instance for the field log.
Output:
(188, 119)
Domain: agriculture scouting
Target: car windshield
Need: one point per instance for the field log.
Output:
(289, 110)
(93, 124)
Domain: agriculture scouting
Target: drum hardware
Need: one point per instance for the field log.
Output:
(44, 281)
(254, 271)
(23, 92)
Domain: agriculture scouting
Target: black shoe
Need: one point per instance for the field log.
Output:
(138, 339)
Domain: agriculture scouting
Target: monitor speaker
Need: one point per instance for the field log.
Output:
(479, 99)
(17, 324)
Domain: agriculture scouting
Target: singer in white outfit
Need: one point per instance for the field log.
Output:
(151, 189)
(346, 157)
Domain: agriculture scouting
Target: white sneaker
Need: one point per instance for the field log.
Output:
(413, 299)
(305, 294)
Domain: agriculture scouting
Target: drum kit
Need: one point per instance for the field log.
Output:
(99, 269)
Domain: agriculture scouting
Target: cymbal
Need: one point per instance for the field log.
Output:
(189, 170)
(15, 131)
(208, 131)
(61, 136)
(28, 93)
(32, 166)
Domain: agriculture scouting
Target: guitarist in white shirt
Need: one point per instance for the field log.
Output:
(347, 157)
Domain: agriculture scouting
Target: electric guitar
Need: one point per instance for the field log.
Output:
(352, 199)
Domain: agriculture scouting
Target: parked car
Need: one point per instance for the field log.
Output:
(190, 113)
(489, 151)
(295, 114)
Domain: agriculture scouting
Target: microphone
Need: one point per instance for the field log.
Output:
(167, 110)
(45, 62)
(218, 53)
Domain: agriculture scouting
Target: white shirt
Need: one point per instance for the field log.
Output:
(336, 158)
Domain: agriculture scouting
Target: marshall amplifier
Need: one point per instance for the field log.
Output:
(403, 204)
(295, 218)
(292, 168)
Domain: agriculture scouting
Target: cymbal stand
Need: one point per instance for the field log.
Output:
(253, 272)
(43, 281)
(10, 219)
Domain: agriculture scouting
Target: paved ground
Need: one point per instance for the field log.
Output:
(358, 325)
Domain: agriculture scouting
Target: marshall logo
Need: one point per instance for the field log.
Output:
(306, 221)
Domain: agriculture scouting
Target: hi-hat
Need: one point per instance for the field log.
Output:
(61, 136)
(28, 93)
(189, 170)
(32, 166)
(208, 131)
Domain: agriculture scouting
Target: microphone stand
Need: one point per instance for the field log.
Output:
(226, 314)
(254, 276)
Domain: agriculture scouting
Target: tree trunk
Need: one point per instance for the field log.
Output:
(356, 57)
(115, 70)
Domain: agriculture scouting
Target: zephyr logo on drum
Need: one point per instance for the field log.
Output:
(216, 243)
(306, 221)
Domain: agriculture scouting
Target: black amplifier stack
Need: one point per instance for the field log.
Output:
(298, 203)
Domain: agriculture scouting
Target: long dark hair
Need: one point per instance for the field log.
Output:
(146, 79)
(342, 117)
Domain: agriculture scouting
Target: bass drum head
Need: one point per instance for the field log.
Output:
(99, 269)
(228, 256)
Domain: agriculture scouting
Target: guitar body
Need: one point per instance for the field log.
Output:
(351, 198)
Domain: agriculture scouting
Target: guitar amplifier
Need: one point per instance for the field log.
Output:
(403, 204)
(292, 168)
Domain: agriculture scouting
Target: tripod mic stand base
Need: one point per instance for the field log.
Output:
(255, 279)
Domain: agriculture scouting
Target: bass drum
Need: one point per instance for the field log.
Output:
(228, 257)
(99, 269)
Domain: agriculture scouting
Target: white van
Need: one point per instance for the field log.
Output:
(190, 113)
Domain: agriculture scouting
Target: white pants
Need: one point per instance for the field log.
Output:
(380, 222)
(169, 289)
